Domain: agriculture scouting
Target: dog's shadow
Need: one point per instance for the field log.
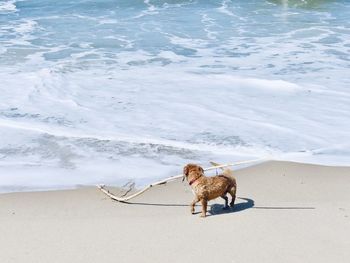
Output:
(217, 209)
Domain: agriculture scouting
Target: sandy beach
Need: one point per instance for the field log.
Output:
(286, 212)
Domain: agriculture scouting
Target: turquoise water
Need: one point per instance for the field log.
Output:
(88, 88)
(290, 40)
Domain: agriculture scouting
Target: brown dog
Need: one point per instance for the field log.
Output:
(208, 188)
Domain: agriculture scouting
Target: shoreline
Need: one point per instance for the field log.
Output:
(25, 189)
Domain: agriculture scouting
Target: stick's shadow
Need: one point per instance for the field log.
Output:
(217, 209)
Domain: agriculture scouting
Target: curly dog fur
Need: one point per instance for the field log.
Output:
(208, 188)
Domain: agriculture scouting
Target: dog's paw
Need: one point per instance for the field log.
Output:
(225, 208)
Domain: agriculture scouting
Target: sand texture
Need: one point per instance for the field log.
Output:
(286, 212)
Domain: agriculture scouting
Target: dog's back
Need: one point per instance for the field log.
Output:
(220, 185)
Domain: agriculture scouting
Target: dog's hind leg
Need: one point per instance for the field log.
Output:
(204, 207)
(226, 201)
(232, 192)
(196, 200)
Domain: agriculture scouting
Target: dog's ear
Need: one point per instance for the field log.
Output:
(201, 170)
(186, 170)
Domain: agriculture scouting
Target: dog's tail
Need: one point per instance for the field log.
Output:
(225, 171)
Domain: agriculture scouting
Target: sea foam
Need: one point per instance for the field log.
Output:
(111, 92)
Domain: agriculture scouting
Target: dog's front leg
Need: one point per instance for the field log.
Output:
(196, 200)
(204, 207)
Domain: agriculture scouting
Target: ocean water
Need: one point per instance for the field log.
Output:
(107, 91)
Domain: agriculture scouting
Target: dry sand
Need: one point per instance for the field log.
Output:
(286, 212)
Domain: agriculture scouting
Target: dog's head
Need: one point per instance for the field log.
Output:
(192, 168)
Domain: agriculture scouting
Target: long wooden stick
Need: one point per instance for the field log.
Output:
(124, 199)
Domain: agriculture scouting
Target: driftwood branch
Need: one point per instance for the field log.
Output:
(126, 198)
